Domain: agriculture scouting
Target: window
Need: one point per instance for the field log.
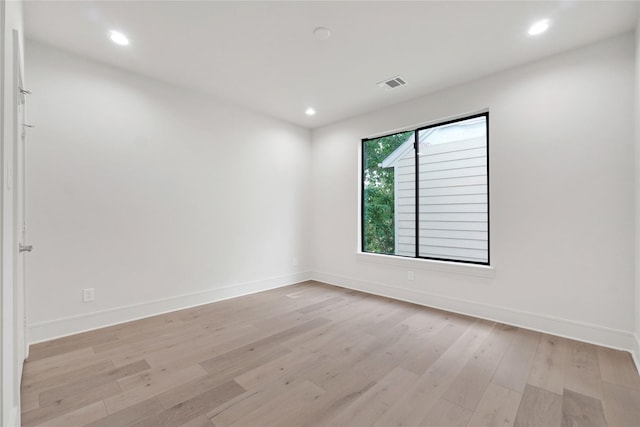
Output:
(425, 193)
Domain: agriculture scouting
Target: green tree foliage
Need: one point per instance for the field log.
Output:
(378, 209)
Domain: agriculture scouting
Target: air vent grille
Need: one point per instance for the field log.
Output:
(392, 83)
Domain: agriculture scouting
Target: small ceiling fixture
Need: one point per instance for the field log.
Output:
(539, 27)
(310, 111)
(118, 38)
(322, 33)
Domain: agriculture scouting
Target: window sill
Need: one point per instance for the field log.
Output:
(427, 264)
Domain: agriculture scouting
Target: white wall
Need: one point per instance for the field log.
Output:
(637, 258)
(561, 198)
(11, 23)
(156, 197)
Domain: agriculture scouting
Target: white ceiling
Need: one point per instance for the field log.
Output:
(263, 55)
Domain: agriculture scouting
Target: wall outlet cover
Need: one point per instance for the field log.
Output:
(88, 295)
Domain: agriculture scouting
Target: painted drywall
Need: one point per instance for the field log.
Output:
(11, 298)
(636, 352)
(561, 198)
(156, 197)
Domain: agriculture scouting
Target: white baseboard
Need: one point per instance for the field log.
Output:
(613, 338)
(57, 328)
(635, 353)
(14, 417)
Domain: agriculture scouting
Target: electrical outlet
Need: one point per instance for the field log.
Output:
(88, 295)
(294, 261)
(410, 275)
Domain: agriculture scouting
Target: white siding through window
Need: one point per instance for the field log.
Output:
(453, 197)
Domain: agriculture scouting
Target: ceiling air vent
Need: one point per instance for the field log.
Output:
(392, 83)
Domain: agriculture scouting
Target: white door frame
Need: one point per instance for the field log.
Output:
(19, 195)
(5, 400)
(13, 336)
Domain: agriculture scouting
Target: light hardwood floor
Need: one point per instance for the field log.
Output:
(317, 355)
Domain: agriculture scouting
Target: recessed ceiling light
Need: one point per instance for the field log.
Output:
(118, 38)
(322, 33)
(539, 27)
(310, 111)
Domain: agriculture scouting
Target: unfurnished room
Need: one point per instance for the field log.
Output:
(320, 213)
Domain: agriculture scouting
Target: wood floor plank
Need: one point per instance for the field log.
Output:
(130, 415)
(145, 386)
(80, 385)
(582, 410)
(547, 370)
(353, 303)
(346, 378)
(513, 370)
(282, 367)
(471, 383)
(64, 345)
(436, 345)
(279, 382)
(195, 352)
(498, 407)
(319, 368)
(326, 339)
(349, 346)
(41, 369)
(617, 367)
(190, 390)
(79, 417)
(397, 313)
(582, 370)
(29, 400)
(256, 311)
(193, 408)
(425, 323)
(621, 405)
(282, 321)
(269, 343)
(344, 381)
(201, 421)
(539, 408)
(229, 412)
(275, 410)
(320, 304)
(68, 404)
(311, 354)
(377, 400)
(233, 364)
(160, 375)
(122, 354)
(435, 381)
(67, 377)
(143, 337)
(444, 413)
(318, 411)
